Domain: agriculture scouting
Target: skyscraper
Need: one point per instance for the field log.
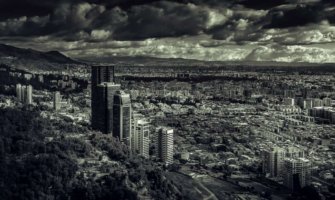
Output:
(24, 93)
(57, 100)
(143, 134)
(273, 161)
(297, 173)
(19, 91)
(135, 117)
(122, 117)
(100, 74)
(164, 145)
(29, 94)
(103, 107)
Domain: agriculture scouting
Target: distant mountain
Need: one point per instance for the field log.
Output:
(32, 60)
(152, 61)
(29, 59)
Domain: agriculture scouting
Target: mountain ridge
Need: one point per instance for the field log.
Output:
(153, 61)
(33, 60)
(30, 59)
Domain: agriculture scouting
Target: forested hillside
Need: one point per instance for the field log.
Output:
(45, 159)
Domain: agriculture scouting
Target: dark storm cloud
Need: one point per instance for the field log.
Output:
(261, 4)
(65, 19)
(19, 8)
(299, 16)
(102, 20)
(157, 19)
(163, 19)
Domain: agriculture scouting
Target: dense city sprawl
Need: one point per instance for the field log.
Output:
(218, 133)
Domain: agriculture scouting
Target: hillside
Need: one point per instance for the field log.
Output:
(29, 59)
(55, 159)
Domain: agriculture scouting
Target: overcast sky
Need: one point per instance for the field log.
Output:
(225, 30)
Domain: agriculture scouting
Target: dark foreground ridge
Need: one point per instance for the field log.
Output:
(42, 159)
(29, 59)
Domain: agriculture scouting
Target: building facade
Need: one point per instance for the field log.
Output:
(273, 162)
(164, 145)
(103, 117)
(24, 93)
(122, 117)
(57, 100)
(19, 91)
(142, 138)
(99, 75)
(297, 173)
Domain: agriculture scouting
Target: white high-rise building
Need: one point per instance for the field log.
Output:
(140, 135)
(143, 137)
(164, 145)
(24, 93)
(57, 100)
(29, 94)
(19, 91)
(135, 117)
(273, 162)
(297, 173)
(122, 117)
(288, 164)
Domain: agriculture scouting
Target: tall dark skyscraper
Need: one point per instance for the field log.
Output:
(103, 90)
(102, 74)
(104, 106)
(122, 117)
